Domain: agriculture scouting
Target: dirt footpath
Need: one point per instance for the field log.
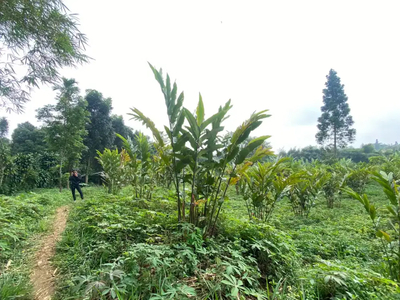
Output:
(43, 275)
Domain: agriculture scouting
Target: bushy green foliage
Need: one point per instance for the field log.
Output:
(332, 280)
(25, 172)
(387, 162)
(262, 186)
(115, 166)
(389, 233)
(134, 249)
(308, 183)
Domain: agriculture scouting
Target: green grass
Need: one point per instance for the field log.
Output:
(23, 219)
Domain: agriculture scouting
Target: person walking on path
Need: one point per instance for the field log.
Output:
(74, 181)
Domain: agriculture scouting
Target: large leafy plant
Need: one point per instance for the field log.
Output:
(198, 155)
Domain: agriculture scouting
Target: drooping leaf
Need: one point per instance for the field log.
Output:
(139, 116)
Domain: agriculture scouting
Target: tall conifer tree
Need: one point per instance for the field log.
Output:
(335, 123)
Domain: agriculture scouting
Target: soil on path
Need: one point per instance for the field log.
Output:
(43, 275)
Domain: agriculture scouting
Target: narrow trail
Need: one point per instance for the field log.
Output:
(43, 274)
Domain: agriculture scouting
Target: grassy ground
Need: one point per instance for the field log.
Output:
(23, 220)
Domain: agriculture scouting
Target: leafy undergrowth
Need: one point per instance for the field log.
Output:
(339, 253)
(22, 219)
(118, 248)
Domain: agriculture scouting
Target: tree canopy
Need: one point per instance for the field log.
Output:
(100, 130)
(65, 124)
(37, 38)
(119, 127)
(335, 123)
(26, 138)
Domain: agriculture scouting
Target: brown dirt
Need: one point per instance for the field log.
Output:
(43, 275)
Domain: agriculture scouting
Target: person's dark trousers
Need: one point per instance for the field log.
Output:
(79, 190)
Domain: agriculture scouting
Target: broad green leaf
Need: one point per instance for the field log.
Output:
(177, 108)
(174, 92)
(168, 132)
(168, 92)
(200, 111)
(181, 141)
(179, 123)
(194, 128)
(372, 212)
(158, 76)
(249, 148)
(232, 154)
(210, 120)
(392, 210)
(383, 234)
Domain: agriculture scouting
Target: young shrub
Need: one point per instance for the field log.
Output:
(262, 186)
(114, 168)
(390, 235)
(387, 162)
(358, 178)
(335, 180)
(308, 184)
(139, 168)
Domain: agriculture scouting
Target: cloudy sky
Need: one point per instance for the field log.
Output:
(260, 54)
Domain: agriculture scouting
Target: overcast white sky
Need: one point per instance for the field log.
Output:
(260, 54)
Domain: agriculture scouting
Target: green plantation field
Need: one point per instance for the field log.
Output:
(118, 248)
(188, 198)
(196, 214)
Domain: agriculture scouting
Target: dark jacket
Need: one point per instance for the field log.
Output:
(75, 180)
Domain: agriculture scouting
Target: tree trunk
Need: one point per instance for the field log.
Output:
(60, 175)
(87, 172)
(183, 195)
(334, 142)
(2, 175)
(179, 204)
(192, 198)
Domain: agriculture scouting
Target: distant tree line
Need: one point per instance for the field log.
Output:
(71, 132)
(362, 154)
